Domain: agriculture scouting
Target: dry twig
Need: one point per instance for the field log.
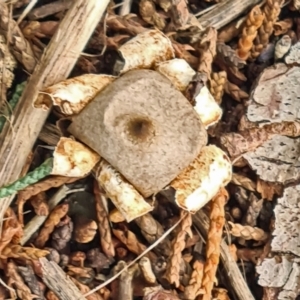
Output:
(217, 84)
(217, 221)
(17, 251)
(248, 232)
(39, 187)
(253, 22)
(208, 51)
(193, 289)
(178, 245)
(58, 212)
(271, 10)
(11, 228)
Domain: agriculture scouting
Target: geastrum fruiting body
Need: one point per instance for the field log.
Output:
(147, 133)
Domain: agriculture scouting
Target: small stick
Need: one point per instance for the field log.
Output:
(225, 12)
(57, 281)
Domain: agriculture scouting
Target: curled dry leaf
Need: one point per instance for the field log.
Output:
(247, 254)
(124, 196)
(268, 189)
(248, 232)
(201, 181)
(98, 260)
(144, 51)
(73, 94)
(220, 294)
(77, 259)
(243, 181)
(229, 56)
(150, 15)
(73, 159)
(235, 92)
(283, 26)
(158, 293)
(115, 216)
(85, 230)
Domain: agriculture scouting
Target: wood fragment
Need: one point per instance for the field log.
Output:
(48, 9)
(57, 281)
(225, 12)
